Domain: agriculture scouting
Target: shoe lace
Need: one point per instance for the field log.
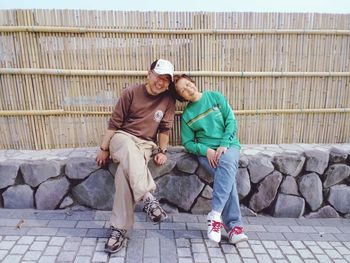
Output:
(215, 226)
(116, 233)
(151, 205)
(236, 230)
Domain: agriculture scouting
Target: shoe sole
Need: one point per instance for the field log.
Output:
(238, 241)
(118, 249)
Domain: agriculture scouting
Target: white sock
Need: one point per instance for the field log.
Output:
(215, 214)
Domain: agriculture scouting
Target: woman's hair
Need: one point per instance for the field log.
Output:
(176, 79)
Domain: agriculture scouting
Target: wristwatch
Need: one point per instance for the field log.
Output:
(163, 151)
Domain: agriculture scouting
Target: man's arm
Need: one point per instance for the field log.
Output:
(160, 158)
(103, 154)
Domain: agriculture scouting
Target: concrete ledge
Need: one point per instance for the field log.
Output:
(292, 180)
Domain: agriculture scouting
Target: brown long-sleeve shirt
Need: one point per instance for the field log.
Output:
(142, 114)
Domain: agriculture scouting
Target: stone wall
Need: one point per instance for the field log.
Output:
(294, 181)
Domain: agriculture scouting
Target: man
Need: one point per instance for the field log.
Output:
(140, 114)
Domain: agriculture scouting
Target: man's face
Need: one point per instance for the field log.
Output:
(157, 83)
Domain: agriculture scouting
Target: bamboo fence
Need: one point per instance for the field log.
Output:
(286, 75)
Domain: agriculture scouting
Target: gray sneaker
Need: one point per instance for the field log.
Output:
(154, 211)
(116, 240)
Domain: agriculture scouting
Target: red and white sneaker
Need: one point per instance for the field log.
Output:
(214, 227)
(237, 235)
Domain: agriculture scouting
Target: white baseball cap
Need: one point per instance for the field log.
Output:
(164, 67)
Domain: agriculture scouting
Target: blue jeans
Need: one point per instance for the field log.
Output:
(225, 197)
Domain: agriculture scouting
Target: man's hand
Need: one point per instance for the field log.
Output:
(160, 158)
(101, 158)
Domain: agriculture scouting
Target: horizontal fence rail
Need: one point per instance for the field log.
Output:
(189, 31)
(66, 72)
(286, 75)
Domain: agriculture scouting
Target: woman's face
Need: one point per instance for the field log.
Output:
(186, 89)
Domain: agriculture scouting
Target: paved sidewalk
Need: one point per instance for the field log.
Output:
(79, 236)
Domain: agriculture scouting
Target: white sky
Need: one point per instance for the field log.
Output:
(309, 6)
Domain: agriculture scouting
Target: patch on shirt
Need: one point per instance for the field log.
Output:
(158, 115)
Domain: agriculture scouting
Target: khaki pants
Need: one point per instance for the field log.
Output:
(132, 179)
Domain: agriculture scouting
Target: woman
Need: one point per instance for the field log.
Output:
(208, 130)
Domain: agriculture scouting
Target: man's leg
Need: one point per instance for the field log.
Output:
(128, 181)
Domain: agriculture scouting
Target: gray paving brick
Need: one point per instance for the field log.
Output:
(295, 258)
(343, 250)
(182, 242)
(95, 232)
(275, 253)
(11, 231)
(335, 243)
(269, 244)
(47, 259)
(188, 234)
(297, 236)
(38, 245)
(184, 252)
(263, 258)
(71, 246)
(178, 226)
(332, 253)
(12, 259)
(196, 226)
(152, 260)
(323, 258)
(168, 251)
(254, 228)
(32, 255)
(303, 229)
(19, 249)
(117, 260)
(259, 220)
(246, 252)
(67, 232)
(343, 237)
(52, 251)
(90, 224)
(81, 215)
(185, 218)
(215, 252)
(185, 260)
(105, 215)
(57, 241)
(168, 234)
(7, 244)
(324, 245)
(218, 260)
(66, 256)
(62, 223)
(135, 251)
(100, 256)
(198, 248)
(37, 231)
(233, 258)
(258, 249)
(88, 241)
(3, 253)
(288, 250)
(83, 259)
(280, 229)
(11, 238)
(271, 236)
(42, 238)
(305, 253)
(200, 257)
(86, 250)
(145, 225)
(151, 248)
(323, 237)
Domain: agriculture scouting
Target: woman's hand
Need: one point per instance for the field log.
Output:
(160, 158)
(211, 156)
(220, 151)
(102, 157)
